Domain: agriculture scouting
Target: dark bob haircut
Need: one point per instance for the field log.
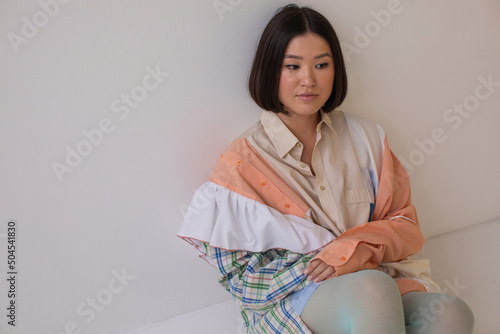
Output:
(288, 22)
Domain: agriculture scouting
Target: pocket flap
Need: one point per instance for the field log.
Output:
(356, 195)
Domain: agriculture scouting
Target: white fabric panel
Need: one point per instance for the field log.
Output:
(231, 221)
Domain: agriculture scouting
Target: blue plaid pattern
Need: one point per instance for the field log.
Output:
(261, 284)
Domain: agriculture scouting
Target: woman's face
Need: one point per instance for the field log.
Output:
(307, 74)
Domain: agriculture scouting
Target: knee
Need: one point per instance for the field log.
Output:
(458, 313)
(443, 314)
(450, 307)
(374, 285)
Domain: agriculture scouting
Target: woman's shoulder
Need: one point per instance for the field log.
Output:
(363, 122)
(254, 131)
(245, 144)
(254, 139)
(364, 127)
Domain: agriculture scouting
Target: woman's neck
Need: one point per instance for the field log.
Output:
(302, 126)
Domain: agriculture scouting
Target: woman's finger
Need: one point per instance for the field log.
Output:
(312, 266)
(329, 271)
(318, 270)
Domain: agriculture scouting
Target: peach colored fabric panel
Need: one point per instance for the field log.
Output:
(394, 194)
(406, 285)
(242, 170)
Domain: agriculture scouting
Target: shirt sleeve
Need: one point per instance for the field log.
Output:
(258, 281)
(394, 232)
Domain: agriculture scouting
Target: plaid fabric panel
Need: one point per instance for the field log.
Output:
(281, 319)
(261, 284)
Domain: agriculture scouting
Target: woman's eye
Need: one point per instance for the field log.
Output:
(292, 67)
(324, 65)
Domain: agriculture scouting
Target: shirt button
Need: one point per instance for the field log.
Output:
(322, 187)
(342, 258)
(262, 183)
(303, 165)
(238, 162)
(298, 144)
(287, 205)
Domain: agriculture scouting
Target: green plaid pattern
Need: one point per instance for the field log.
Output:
(261, 284)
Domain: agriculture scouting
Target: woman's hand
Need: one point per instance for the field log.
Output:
(319, 271)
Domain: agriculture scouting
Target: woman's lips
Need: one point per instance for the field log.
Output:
(307, 97)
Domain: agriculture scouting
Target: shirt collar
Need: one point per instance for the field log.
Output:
(325, 118)
(282, 138)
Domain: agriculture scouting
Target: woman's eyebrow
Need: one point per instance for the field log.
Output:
(326, 54)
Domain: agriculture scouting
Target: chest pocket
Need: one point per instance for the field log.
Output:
(358, 206)
(356, 196)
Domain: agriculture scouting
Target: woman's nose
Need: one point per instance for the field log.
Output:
(307, 78)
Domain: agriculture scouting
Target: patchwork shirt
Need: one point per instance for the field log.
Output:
(263, 215)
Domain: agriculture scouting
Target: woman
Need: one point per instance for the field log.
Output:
(307, 215)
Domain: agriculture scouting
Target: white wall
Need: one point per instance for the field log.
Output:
(120, 206)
